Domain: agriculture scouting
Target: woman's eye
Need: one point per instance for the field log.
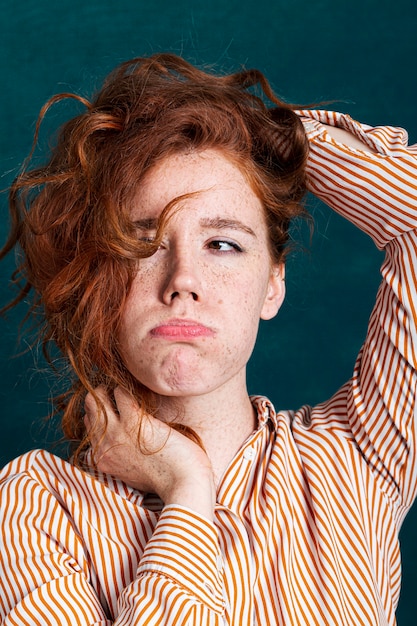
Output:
(147, 238)
(224, 246)
(150, 240)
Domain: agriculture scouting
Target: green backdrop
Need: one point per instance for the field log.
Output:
(359, 52)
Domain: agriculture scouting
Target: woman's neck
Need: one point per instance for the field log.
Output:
(223, 420)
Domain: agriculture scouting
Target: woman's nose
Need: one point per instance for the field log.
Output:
(183, 280)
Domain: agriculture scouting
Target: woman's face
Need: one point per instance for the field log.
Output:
(192, 315)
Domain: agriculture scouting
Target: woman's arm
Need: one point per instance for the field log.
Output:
(346, 138)
(369, 175)
(69, 549)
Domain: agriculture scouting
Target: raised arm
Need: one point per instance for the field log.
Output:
(366, 174)
(369, 175)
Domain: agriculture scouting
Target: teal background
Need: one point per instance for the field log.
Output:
(361, 53)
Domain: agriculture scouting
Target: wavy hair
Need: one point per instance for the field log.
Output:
(70, 218)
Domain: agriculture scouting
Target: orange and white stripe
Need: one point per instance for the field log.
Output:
(308, 513)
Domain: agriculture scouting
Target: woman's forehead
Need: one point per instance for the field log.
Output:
(204, 177)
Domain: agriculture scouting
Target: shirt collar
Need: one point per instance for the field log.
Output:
(265, 411)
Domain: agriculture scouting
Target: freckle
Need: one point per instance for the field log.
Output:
(220, 302)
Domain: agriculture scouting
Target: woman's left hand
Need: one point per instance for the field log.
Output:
(148, 454)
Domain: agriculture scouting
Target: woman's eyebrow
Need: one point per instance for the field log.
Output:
(151, 223)
(146, 223)
(222, 222)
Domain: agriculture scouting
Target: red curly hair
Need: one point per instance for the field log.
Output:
(70, 218)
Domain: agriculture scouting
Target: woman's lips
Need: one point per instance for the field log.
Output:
(181, 329)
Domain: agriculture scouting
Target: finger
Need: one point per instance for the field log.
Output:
(87, 422)
(125, 403)
(100, 402)
(99, 414)
(95, 401)
(154, 433)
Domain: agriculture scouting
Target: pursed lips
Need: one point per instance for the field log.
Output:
(181, 328)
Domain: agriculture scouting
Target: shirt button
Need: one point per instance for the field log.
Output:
(249, 454)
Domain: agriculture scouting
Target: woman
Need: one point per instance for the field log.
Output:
(154, 240)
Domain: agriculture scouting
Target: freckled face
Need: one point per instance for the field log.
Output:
(191, 319)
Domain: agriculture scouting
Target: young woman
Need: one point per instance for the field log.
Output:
(153, 241)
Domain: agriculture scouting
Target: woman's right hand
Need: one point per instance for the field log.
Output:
(166, 462)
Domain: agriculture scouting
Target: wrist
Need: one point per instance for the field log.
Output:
(197, 494)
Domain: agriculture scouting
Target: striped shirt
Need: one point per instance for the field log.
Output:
(308, 512)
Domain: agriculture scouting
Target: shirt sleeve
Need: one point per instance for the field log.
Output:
(44, 575)
(180, 576)
(377, 191)
(45, 572)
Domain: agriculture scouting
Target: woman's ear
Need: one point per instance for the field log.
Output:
(276, 292)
